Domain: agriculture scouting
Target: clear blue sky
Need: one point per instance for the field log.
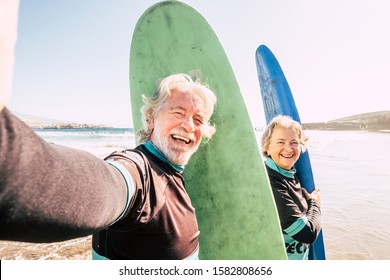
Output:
(72, 56)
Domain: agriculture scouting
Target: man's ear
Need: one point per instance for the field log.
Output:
(151, 123)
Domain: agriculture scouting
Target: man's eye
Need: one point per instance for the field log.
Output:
(199, 121)
(178, 113)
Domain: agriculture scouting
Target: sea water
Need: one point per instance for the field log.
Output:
(350, 167)
(98, 141)
(352, 170)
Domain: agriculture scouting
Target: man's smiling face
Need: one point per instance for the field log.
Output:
(178, 126)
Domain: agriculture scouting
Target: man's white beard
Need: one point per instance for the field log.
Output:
(174, 154)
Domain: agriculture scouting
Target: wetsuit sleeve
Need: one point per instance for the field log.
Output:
(303, 227)
(310, 231)
(50, 192)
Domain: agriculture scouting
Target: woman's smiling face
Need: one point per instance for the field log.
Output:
(284, 147)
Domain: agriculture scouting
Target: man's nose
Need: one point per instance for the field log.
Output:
(188, 124)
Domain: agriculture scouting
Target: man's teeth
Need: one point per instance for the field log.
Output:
(181, 138)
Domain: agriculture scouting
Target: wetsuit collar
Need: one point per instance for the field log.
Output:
(155, 151)
(287, 173)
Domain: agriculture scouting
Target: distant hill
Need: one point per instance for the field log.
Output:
(374, 121)
(40, 122)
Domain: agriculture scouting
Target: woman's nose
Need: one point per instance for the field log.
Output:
(288, 147)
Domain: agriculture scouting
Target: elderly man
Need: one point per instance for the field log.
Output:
(133, 202)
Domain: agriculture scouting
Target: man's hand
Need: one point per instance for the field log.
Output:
(8, 34)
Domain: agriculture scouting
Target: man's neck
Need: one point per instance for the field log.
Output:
(155, 151)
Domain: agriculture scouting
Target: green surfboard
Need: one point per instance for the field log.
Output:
(226, 178)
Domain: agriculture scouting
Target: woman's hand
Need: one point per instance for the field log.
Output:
(313, 195)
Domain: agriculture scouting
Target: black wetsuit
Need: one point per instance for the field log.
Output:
(53, 193)
(300, 220)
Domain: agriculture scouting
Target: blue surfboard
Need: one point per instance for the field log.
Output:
(278, 100)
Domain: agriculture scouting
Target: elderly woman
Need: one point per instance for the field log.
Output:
(299, 212)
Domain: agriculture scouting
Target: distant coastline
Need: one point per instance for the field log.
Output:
(37, 122)
(375, 121)
(63, 125)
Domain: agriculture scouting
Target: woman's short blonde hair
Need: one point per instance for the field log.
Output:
(183, 83)
(285, 122)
